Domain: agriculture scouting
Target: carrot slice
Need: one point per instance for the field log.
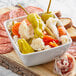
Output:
(61, 31)
(15, 29)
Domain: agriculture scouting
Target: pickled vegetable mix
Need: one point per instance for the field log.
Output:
(38, 32)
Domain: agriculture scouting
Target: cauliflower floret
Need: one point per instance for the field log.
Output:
(9, 26)
(25, 31)
(31, 31)
(64, 39)
(51, 23)
(46, 47)
(15, 38)
(37, 44)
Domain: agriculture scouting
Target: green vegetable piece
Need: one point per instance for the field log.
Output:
(46, 16)
(40, 21)
(33, 20)
(49, 32)
(24, 46)
(36, 22)
(38, 33)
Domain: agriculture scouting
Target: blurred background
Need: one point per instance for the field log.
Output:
(67, 8)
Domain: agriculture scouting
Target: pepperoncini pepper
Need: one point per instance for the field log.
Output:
(24, 46)
(45, 16)
(41, 24)
(37, 24)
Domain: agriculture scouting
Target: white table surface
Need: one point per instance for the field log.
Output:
(67, 7)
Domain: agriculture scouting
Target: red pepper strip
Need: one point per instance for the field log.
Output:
(48, 39)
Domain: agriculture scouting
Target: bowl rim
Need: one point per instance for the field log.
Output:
(33, 53)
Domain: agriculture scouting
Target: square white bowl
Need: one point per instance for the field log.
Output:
(37, 58)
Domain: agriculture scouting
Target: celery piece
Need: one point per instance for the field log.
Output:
(49, 32)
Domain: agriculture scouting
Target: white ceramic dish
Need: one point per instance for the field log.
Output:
(37, 58)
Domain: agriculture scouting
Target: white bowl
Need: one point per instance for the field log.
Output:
(37, 58)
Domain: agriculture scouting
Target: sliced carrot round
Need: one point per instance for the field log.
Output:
(15, 29)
